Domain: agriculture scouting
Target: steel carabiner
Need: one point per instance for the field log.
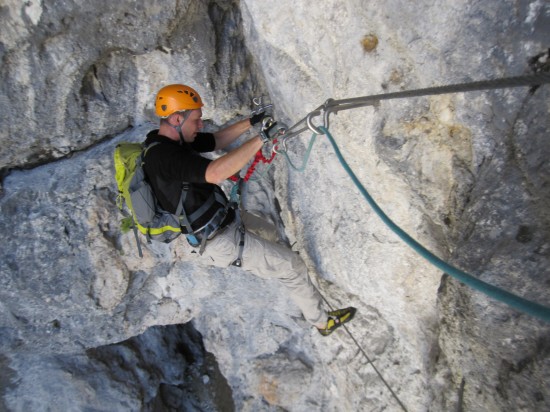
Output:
(310, 124)
(260, 106)
(325, 109)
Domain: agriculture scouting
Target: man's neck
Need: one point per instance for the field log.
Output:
(169, 132)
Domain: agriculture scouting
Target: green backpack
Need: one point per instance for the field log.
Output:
(134, 191)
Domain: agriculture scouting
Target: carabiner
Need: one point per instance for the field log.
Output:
(327, 111)
(260, 106)
(310, 124)
(281, 139)
(280, 142)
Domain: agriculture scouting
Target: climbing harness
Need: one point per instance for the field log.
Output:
(199, 237)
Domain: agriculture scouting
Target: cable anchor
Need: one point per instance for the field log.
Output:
(259, 105)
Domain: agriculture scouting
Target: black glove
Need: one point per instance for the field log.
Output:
(257, 118)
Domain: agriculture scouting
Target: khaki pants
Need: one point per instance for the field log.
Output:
(267, 259)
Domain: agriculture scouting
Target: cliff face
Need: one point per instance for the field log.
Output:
(465, 174)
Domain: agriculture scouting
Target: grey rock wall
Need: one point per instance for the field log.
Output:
(465, 174)
(78, 72)
(503, 234)
(166, 368)
(455, 171)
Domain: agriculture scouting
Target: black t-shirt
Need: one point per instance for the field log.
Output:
(169, 164)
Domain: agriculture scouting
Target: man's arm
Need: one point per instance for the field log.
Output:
(227, 165)
(229, 134)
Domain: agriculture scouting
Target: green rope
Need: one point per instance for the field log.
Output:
(306, 156)
(289, 161)
(261, 175)
(524, 305)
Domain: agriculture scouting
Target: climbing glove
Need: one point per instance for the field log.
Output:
(257, 118)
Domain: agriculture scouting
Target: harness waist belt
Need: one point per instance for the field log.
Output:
(210, 229)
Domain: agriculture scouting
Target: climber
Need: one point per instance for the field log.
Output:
(179, 175)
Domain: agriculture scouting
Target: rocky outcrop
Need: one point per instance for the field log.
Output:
(78, 73)
(465, 174)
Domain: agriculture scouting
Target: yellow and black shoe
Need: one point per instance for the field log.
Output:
(337, 318)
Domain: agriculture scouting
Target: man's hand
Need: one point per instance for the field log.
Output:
(257, 118)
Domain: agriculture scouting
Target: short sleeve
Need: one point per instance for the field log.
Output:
(204, 142)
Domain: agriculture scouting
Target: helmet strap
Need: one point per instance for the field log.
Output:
(186, 115)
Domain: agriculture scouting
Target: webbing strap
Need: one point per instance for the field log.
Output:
(214, 197)
(140, 161)
(180, 211)
(242, 231)
(203, 208)
(150, 146)
(138, 243)
(212, 227)
(130, 219)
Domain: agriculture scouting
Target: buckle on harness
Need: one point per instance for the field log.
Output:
(192, 240)
(208, 231)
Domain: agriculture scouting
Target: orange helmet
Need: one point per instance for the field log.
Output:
(176, 98)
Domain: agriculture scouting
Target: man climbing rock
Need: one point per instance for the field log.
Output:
(179, 175)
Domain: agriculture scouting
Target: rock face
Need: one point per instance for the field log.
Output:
(166, 368)
(465, 174)
(77, 73)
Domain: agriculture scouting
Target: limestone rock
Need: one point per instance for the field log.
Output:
(465, 174)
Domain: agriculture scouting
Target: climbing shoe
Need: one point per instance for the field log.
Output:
(337, 318)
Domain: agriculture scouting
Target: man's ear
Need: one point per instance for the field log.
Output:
(173, 119)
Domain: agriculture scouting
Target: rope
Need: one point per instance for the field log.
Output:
(306, 156)
(258, 157)
(524, 305)
(368, 358)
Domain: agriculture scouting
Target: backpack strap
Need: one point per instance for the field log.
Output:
(180, 211)
(146, 149)
(214, 197)
(129, 222)
(138, 243)
(141, 161)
